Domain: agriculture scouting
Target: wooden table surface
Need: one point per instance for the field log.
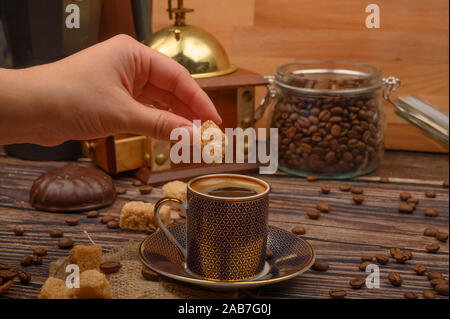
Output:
(340, 237)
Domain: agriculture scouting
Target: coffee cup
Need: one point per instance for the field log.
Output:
(226, 226)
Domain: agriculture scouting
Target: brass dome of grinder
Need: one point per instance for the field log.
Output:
(194, 48)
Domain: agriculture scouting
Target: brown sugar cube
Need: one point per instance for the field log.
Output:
(139, 215)
(210, 142)
(86, 257)
(55, 288)
(175, 189)
(93, 285)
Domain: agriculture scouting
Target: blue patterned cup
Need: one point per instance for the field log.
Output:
(226, 236)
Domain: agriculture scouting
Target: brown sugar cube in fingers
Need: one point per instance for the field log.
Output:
(212, 143)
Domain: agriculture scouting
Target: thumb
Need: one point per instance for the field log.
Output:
(148, 121)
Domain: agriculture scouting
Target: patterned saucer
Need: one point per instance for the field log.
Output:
(292, 256)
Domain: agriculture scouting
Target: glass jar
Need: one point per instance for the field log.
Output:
(329, 116)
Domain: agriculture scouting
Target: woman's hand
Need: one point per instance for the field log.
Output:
(117, 86)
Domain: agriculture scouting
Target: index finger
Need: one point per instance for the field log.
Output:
(170, 76)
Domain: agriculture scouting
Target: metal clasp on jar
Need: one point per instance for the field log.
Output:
(418, 112)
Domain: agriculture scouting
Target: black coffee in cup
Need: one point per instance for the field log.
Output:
(228, 186)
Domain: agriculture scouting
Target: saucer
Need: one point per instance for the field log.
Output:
(292, 256)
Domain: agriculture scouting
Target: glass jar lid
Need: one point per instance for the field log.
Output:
(335, 77)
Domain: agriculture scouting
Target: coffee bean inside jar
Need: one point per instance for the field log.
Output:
(329, 118)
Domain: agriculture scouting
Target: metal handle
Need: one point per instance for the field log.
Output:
(271, 96)
(418, 112)
(182, 206)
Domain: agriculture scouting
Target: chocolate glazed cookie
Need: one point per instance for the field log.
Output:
(72, 188)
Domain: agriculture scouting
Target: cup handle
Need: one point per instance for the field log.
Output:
(182, 206)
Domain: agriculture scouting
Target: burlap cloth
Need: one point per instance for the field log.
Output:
(128, 282)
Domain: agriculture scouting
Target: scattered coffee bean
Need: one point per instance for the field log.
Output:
(323, 207)
(442, 236)
(5, 287)
(428, 294)
(364, 265)
(26, 261)
(40, 251)
(145, 189)
(313, 214)
(406, 208)
(8, 274)
(320, 266)
(65, 243)
(401, 257)
(150, 229)
(149, 274)
(431, 212)
(336, 293)
(18, 230)
(408, 253)
(137, 183)
(345, 188)
(121, 191)
(72, 221)
(366, 258)
(430, 193)
(110, 267)
(434, 275)
(92, 214)
(420, 269)
(112, 224)
(442, 289)
(269, 254)
(413, 201)
(394, 251)
(107, 218)
(404, 196)
(325, 189)
(395, 279)
(357, 190)
(445, 183)
(298, 230)
(382, 259)
(384, 179)
(411, 295)
(358, 198)
(430, 231)
(357, 283)
(24, 277)
(56, 233)
(37, 260)
(312, 178)
(437, 281)
(432, 248)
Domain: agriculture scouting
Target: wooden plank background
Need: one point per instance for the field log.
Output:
(340, 237)
(412, 43)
